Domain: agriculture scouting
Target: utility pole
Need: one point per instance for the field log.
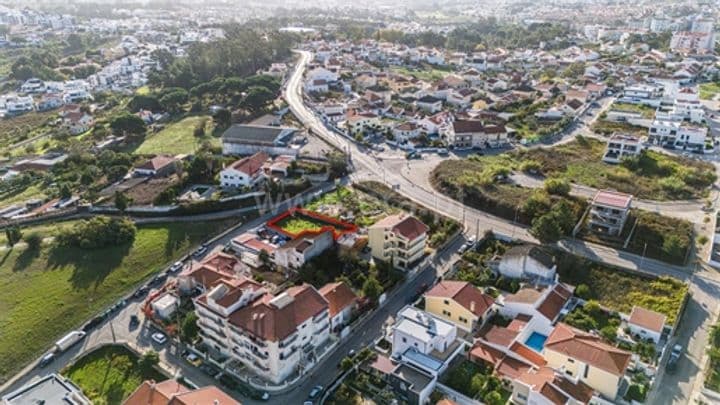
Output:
(642, 259)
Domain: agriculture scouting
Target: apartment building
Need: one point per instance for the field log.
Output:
(608, 212)
(272, 335)
(692, 42)
(400, 239)
(675, 133)
(621, 146)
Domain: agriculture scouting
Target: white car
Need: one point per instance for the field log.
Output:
(159, 338)
(176, 267)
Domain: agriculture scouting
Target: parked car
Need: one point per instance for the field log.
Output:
(200, 251)
(177, 266)
(134, 320)
(93, 323)
(46, 359)
(141, 292)
(193, 359)
(675, 354)
(351, 353)
(159, 279)
(159, 338)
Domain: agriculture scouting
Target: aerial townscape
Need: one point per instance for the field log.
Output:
(410, 202)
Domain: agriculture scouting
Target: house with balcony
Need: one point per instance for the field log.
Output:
(609, 211)
(621, 146)
(245, 172)
(583, 357)
(298, 251)
(424, 341)
(342, 302)
(399, 239)
(271, 335)
(460, 303)
(465, 134)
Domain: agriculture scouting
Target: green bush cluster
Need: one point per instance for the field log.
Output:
(98, 232)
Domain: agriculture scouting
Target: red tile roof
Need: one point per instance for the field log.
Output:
(555, 301)
(647, 319)
(500, 336)
(587, 348)
(269, 321)
(339, 296)
(511, 368)
(528, 354)
(170, 392)
(157, 163)
(251, 164)
(482, 351)
(407, 226)
(465, 294)
(612, 199)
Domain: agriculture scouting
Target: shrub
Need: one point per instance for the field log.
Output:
(583, 291)
(33, 240)
(97, 233)
(530, 166)
(557, 186)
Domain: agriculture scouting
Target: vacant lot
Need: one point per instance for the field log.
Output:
(653, 176)
(709, 90)
(605, 127)
(620, 290)
(110, 374)
(646, 111)
(178, 137)
(48, 291)
(20, 128)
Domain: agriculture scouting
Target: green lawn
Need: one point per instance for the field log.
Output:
(178, 137)
(647, 112)
(45, 293)
(110, 374)
(709, 90)
(429, 75)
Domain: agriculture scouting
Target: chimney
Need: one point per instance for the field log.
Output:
(472, 306)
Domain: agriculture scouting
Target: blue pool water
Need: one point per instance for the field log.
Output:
(536, 341)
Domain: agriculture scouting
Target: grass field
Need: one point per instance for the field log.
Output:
(47, 292)
(110, 374)
(32, 191)
(656, 176)
(178, 137)
(647, 112)
(300, 223)
(619, 291)
(709, 90)
(429, 75)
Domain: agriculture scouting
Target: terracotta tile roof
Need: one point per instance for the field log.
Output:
(270, 320)
(339, 296)
(383, 364)
(157, 163)
(518, 324)
(511, 368)
(465, 294)
(210, 395)
(578, 390)
(647, 319)
(500, 336)
(482, 351)
(554, 302)
(528, 354)
(405, 225)
(251, 164)
(553, 394)
(152, 393)
(554, 386)
(527, 295)
(587, 348)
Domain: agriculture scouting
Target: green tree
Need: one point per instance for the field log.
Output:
(144, 102)
(33, 240)
(13, 235)
(583, 291)
(149, 360)
(257, 98)
(493, 398)
(546, 229)
(121, 201)
(128, 124)
(674, 247)
(173, 101)
(372, 288)
(189, 328)
(65, 191)
(346, 363)
(222, 118)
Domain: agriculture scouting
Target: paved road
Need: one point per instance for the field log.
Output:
(702, 309)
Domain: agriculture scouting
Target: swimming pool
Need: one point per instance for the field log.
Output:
(536, 341)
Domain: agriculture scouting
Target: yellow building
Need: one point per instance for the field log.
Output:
(585, 357)
(399, 238)
(460, 303)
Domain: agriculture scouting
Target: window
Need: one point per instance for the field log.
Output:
(404, 340)
(463, 320)
(568, 372)
(571, 360)
(587, 369)
(446, 313)
(446, 302)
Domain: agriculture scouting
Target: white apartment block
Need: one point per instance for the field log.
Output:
(272, 335)
(621, 146)
(692, 42)
(400, 239)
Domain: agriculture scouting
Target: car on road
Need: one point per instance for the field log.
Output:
(351, 353)
(159, 338)
(46, 359)
(141, 292)
(177, 266)
(93, 323)
(158, 280)
(675, 354)
(265, 396)
(193, 359)
(315, 392)
(134, 320)
(200, 251)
